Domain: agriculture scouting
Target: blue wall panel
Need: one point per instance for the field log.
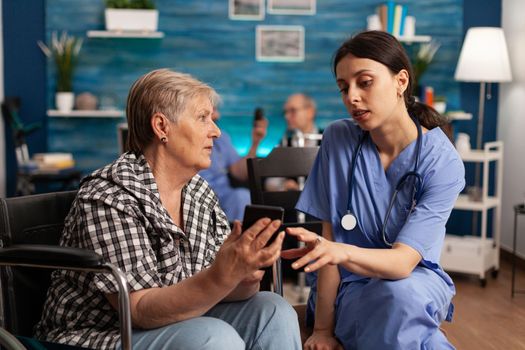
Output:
(201, 40)
(24, 74)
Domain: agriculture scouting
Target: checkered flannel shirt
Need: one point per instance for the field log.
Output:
(118, 214)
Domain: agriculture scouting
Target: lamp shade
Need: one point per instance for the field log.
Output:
(484, 56)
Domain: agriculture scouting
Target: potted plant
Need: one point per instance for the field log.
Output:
(421, 62)
(131, 15)
(440, 104)
(64, 52)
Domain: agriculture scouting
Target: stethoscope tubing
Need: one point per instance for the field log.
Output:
(414, 173)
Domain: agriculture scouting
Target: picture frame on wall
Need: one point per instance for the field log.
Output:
(279, 43)
(246, 10)
(292, 7)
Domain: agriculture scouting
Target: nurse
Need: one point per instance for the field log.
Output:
(384, 184)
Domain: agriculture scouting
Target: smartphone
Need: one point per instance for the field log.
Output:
(254, 212)
(258, 115)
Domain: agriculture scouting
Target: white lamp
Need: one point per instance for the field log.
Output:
(484, 59)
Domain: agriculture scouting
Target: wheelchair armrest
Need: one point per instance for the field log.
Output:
(50, 256)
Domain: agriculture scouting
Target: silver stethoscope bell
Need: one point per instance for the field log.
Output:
(349, 221)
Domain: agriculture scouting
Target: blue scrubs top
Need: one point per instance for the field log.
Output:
(326, 192)
(232, 200)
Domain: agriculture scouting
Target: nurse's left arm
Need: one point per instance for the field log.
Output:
(421, 236)
(395, 263)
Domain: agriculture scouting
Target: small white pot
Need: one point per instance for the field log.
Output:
(64, 101)
(132, 20)
(440, 106)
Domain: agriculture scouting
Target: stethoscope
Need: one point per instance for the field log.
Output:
(349, 220)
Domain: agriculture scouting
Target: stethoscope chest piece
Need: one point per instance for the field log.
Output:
(349, 221)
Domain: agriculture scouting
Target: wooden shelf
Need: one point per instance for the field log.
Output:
(124, 34)
(86, 113)
(464, 203)
(414, 39)
(458, 115)
(478, 155)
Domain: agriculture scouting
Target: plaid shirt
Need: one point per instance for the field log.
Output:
(118, 214)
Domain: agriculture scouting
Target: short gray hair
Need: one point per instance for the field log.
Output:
(160, 91)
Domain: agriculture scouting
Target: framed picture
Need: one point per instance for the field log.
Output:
(247, 10)
(291, 7)
(279, 43)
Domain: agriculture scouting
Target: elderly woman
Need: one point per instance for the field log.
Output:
(150, 214)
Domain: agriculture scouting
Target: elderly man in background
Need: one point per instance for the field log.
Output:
(299, 113)
(301, 131)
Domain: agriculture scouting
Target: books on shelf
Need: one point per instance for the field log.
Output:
(393, 19)
(389, 25)
(54, 161)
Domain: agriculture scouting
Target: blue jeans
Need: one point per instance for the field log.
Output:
(265, 321)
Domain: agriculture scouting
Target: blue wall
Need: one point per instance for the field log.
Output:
(201, 40)
(24, 74)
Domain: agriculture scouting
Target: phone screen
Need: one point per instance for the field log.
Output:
(254, 212)
(259, 114)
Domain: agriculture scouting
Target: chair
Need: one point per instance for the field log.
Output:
(30, 230)
(27, 173)
(122, 137)
(294, 162)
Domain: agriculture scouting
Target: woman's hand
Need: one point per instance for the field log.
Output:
(259, 131)
(291, 185)
(239, 169)
(242, 256)
(253, 279)
(246, 288)
(317, 253)
(322, 341)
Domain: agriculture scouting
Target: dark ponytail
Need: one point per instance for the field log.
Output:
(386, 49)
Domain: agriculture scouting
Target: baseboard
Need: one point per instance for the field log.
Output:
(507, 256)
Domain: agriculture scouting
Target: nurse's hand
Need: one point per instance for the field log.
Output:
(322, 341)
(317, 253)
